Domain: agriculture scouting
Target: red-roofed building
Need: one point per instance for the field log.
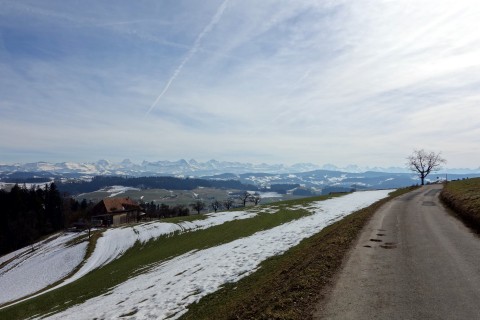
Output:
(115, 211)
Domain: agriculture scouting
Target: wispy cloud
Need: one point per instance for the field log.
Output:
(216, 18)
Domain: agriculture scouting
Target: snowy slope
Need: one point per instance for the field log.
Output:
(113, 243)
(168, 289)
(28, 272)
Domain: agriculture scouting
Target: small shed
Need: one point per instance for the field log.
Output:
(116, 211)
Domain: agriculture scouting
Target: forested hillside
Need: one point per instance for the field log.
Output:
(170, 183)
(28, 214)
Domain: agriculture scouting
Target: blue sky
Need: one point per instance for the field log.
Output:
(274, 81)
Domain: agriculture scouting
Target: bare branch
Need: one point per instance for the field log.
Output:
(423, 163)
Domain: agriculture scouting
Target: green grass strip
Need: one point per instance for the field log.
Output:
(289, 286)
(141, 257)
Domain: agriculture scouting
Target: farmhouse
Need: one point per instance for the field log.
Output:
(115, 211)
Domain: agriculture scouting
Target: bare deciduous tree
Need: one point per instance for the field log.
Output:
(246, 196)
(256, 198)
(198, 206)
(215, 205)
(228, 203)
(423, 162)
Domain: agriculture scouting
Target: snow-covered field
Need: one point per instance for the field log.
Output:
(117, 190)
(51, 261)
(168, 289)
(270, 195)
(29, 271)
(115, 242)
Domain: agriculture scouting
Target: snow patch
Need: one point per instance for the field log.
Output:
(116, 190)
(269, 195)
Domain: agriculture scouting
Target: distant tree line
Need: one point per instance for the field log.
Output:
(37, 180)
(159, 211)
(170, 183)
(228, 203)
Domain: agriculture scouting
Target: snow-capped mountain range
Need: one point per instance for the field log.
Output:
(263, 175)
(187, 168)
(177, 168)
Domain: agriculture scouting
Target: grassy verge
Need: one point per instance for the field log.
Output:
(290, 285)
(140, 257)
(463, 197)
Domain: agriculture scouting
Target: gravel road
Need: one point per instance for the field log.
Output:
(412, 261)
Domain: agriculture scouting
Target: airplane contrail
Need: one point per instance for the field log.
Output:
(216, 18)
